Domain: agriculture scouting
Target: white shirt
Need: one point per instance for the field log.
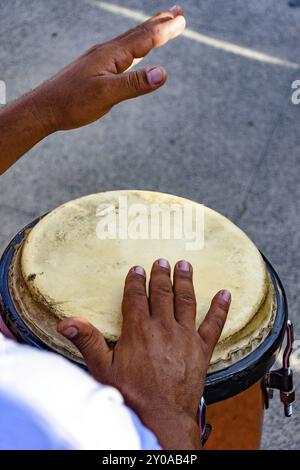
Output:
(69, 406)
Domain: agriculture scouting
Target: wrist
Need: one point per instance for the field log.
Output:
(42, 111)
(174, 431)
(23, 123)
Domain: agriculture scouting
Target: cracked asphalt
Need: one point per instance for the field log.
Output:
(222, 131)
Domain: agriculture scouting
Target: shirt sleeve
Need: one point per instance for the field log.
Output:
(54, 404)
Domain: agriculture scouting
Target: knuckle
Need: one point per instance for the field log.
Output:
(157, 35)
(145, 331)
(218, 324)
(142, 29)
(135, 322)
(150, 32)
(186, 298)
(162, 290)
(135, 81)
(88, 340)
(134, 30)
(135, 291)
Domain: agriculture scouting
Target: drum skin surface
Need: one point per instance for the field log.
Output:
(237, 422)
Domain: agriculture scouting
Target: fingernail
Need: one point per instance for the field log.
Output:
(154, 76)
(70, 332)
(184, 265)
(139, 270)
(225, 295)
(164, 263)
(173, 9)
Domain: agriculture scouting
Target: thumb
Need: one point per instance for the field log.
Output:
(212, 326)
(91, 344)
(139, 82)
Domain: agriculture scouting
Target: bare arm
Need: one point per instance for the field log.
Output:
(88, 88)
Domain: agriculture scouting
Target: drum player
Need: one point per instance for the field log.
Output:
(145, 393)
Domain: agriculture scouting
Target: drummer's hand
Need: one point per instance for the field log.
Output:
(87, 88)
(90, 86)
(160, 361)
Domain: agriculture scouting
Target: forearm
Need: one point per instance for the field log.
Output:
(23, 123)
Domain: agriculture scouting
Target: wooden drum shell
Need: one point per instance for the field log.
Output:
(237, 422)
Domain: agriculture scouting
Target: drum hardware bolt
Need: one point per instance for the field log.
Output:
(205, 428)
(282, 379)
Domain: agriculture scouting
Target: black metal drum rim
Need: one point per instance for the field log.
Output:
(219, 385)
(241, 375)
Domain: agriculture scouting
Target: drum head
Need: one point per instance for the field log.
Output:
(62, 268)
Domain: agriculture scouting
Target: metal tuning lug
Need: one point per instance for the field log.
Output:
(204, 427)
(282, 379)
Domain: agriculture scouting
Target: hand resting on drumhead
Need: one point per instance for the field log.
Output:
(160, 360)
(88, 88)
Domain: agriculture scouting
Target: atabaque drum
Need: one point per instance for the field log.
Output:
(74, 260)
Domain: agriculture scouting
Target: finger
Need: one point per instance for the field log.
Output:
(173, 12)
(139, 41)
(162, 16)
(90, 342)
(176, 10)
(130, 85)
(211, 328)
(135, 307)
(184, 294)
(161, 296)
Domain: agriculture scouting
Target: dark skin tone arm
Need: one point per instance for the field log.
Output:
(88, 88)
(160, 362)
